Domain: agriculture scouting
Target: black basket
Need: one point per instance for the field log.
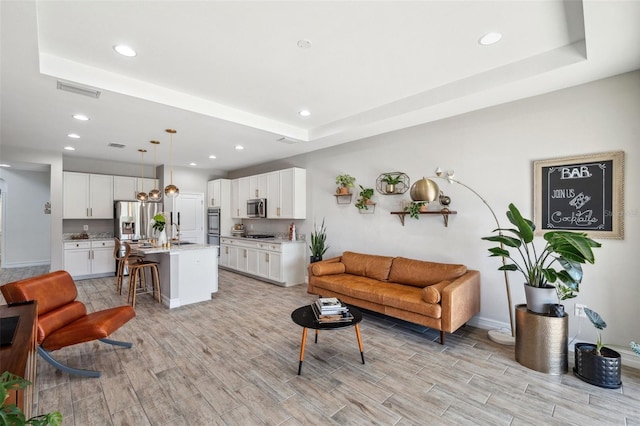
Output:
(603, 371)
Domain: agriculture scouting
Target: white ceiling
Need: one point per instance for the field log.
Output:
(227, 73)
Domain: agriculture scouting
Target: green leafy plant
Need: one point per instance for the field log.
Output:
(390, 179)
(599, 324)
(11, 414)
(318, 245)
(159, 222)
(567, 249)
(345, 180)
(414, 209)
(635, 347)
(365, 197)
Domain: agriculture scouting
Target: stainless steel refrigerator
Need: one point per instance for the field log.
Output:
(133, 220)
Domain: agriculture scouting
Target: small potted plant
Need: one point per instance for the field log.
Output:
(414, 208)
(391, 181)
(11, 414)
(159, 224)
(566, 248)
(597, 364)
(345, 181)
(365, 198)
(318, 245)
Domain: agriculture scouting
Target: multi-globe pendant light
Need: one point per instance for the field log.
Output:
(171, 190)
(155, 194)
(142, 196)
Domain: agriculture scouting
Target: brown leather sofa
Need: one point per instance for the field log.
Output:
(62, 320)
(437, 295)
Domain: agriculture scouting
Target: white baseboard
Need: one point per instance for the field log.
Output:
(488, 324)
(26, 264)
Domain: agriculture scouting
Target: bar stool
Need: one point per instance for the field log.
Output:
(137, 272)
(122, 262)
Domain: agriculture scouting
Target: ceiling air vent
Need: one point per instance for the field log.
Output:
(285, 139)
(78, 89)
(116, 145)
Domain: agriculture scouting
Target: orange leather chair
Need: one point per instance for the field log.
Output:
(62, 320)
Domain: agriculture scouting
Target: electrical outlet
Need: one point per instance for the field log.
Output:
(85, 228)
(578, 310)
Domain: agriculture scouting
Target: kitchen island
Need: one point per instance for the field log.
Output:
(188, 273)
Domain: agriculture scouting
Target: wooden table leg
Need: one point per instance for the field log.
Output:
(357, 327)
(304, 341)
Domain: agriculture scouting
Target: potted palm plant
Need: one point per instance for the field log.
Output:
(345, 181)
(318, 245)
(391, 181)
(597, 364)
(567, 249)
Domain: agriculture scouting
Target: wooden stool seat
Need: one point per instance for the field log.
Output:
(137, 271)
(122, 262)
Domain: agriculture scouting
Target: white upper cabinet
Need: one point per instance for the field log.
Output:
(87, 196)
(285, 191)
(287, 197)
(124, 188)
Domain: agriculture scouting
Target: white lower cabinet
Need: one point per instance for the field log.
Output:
(86, 259)
(282, 263)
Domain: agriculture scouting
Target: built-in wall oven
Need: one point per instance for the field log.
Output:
(213, 227)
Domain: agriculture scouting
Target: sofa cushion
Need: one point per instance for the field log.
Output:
(433, 293)
(409, 298)
(421, 273)
(367, 265)
(350, 285)
(321, 268)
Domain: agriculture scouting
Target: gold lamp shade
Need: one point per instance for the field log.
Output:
(171, 190)
(424, 190)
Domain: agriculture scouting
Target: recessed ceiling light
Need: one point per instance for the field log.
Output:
(490, 38)
(213, 157)
(69, 148)
(239, 147)
(192, 164)
(5, 165)
(80, 117)
(304, 113)
(124, 50)
(73, 136)
(304, 44)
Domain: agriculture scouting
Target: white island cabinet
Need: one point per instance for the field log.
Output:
(188, 273)
(276, 261)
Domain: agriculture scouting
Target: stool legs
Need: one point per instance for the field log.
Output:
(137, 277)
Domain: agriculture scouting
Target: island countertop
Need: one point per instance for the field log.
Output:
(174, 249)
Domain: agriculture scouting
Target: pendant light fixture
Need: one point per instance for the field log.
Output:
(155, 194)
(142, 196)
(171, 190)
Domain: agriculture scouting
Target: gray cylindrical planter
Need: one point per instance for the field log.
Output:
(603, 371)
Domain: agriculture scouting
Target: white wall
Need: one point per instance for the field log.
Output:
(493, 152)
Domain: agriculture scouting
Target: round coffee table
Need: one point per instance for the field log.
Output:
(305, 318)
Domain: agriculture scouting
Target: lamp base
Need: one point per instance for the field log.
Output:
(501, 337)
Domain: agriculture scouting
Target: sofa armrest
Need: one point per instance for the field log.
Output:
(460, 301)
(331, 260)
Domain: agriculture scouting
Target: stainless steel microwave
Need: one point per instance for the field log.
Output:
(257, 207)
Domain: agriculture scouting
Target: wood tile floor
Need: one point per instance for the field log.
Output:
(233, 361)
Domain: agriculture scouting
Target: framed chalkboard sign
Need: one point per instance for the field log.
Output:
(583, 193)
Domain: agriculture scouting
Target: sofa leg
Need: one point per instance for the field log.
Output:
(84, 373)
(442, 333)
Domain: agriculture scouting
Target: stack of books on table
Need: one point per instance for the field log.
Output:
(331, 309)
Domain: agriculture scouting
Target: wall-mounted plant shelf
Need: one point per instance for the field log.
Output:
(445, 215)
(343, 198)
(399, 188)
(371, 208)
